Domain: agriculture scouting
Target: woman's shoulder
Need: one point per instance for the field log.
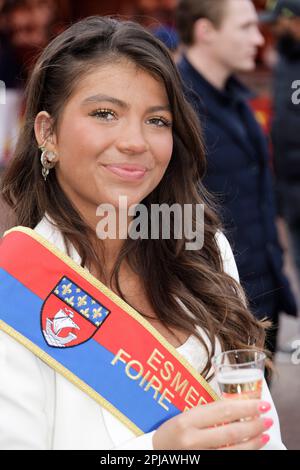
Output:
(229, 264)
(48, 229)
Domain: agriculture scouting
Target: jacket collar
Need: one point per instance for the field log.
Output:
(235, 91)
(212, 102)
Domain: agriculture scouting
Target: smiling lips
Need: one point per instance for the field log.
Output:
(129, 172)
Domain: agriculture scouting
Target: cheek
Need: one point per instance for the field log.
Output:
(163, 151)
(245, 39)
(71, 139)
(81, 143)
(233, 41)
(82, 133)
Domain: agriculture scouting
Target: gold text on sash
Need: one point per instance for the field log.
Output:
(149, 377)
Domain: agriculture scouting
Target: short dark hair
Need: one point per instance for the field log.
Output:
(189, 11)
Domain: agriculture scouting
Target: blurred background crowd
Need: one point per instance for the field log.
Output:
(26, 26)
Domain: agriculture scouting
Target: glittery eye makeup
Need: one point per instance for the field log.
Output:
(104, 114)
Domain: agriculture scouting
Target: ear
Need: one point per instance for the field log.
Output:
(204, 31)
(43, 129)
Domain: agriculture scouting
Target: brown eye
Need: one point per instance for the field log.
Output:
(160, 122)
(104, 114)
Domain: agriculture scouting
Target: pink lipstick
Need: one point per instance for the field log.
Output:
(129, 172)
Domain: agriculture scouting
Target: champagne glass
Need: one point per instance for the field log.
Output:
(240, 373)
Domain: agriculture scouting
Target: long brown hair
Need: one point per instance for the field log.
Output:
(169, 272)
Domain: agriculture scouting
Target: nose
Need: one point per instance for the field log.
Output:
(132, 140)
(259, 39)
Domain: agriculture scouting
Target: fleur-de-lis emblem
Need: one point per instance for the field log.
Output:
(97, 312)
(85, 312)
(73, 315)
(66, 288)
(70, 300)
(81, 300)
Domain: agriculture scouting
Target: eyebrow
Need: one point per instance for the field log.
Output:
(120, 103)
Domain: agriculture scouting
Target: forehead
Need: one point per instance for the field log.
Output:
(240, 11)
(120, 79)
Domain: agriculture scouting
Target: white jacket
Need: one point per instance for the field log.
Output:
(40, 409)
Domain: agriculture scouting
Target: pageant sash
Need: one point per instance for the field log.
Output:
(84, 331)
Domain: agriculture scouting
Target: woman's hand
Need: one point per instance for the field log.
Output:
(216, 426)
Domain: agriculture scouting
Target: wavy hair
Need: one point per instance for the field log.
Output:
(185, 288)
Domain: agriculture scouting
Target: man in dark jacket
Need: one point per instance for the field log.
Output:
(286, 122)
(220, 38)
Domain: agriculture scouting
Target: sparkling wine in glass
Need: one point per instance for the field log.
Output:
(240, 373)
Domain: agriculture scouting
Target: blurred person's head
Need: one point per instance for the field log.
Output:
(278, 9)
(169, 37)
(28, 27)
(291, 27)
(43, 11)
(28, 22)
(284, 18)
(225, 30)
(23, 29)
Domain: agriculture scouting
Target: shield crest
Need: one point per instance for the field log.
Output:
(70, 316)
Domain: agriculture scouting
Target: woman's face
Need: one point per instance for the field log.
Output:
(114, 137)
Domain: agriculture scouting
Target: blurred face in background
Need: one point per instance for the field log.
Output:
(290, 26)
(29, 29)
(23, 30)
(29, 23)
(234, 43)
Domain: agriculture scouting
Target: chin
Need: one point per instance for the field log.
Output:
(122, 201)
(247, 66)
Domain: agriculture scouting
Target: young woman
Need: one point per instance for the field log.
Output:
(105, 106)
